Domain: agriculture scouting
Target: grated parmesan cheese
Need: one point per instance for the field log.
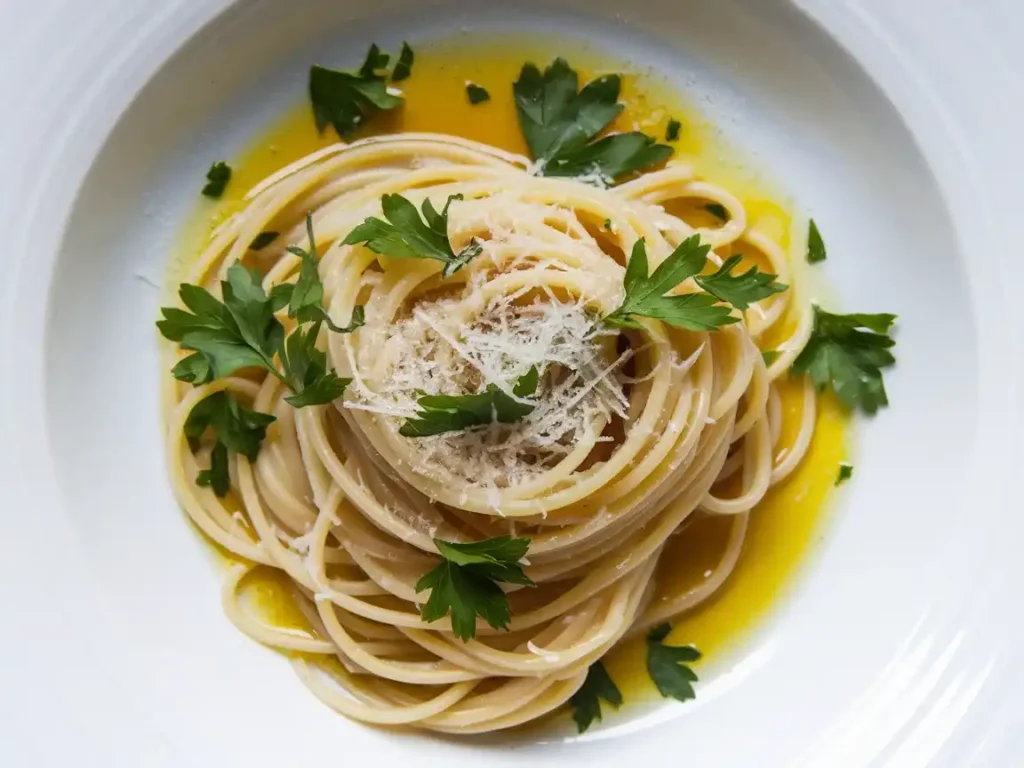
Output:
(435, 351)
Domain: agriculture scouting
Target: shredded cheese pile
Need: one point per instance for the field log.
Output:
(579, 393)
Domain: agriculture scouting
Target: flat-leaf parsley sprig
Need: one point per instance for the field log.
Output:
(464, 585)
(740, 290)
(560, 126)
(404, 235)
(646, 294)
(668, 665)
(848, 353)
(236, 428)
(452, 413)
(586, 702)
(347, 100)
(240, 331)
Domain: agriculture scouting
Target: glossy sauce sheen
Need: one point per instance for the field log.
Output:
(783, 526)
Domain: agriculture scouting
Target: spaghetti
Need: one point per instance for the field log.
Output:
(634, 432)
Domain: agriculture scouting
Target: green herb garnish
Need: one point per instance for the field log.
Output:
(465, 584)
(815, 245)
(237, 428)
(668, 665)
(304, 298)
(226, 336)
(672, 131)
(740, 290)
(262, 240)
(451, 413)
(305, 370)
(242, 332)
(645, 296)
(560, 125)
(769, 356)
(403, 67)
(848, 353)
(717, 210)
(217, 179)
(477, 93)
(845, 473)
(586, 702)
(347, 100)
(405, 235)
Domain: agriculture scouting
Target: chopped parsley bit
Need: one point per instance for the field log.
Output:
(586, 702)
(404, 235)
(403, 67)
(560, 125)
(465, 583)
(815, 245)
(237, 428)
(262, 240)
(217, 179)
(845, 473)
(672, 131)
(477, 93)
(347, 100)
(717, 210)
(645, 296)
(452, 413)
(668, 665)
(769, 356)
(848, 353)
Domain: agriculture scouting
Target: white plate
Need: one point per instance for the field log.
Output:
(897, 122)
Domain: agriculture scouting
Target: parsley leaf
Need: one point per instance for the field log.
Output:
(346, 100)
(608, 158)
(375, 60)
(848, 352)
(217, 179)
(558, 122)
(237, 427)
(477, 94)
(194, 369)
(464, 584)
(217, 477)
(262, 240)
(645, 295)
(769, 356)
(240, 332)
(306, 372)
(815, 245)
(672, 131)
(451, 413)
(405, 235)
(717, 210)
(403, 67)
(667, 665)
(304, 299)
(740, 290)
(845, 473)
(586, 702)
